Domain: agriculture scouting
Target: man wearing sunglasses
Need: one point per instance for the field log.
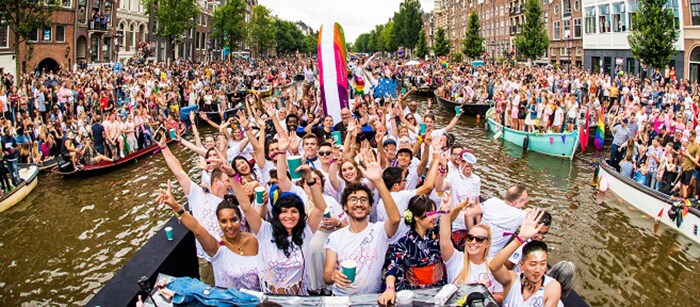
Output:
(466, 186)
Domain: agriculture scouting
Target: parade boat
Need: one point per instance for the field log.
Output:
(29, 174)
(104, 166)
(675, 213)
(422, 88)
(561, 145)
(48, 164)
(471, 109)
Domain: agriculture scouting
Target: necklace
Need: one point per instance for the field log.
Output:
(237, 246)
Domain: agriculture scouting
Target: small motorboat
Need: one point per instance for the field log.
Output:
(471, 109)
(29, 174)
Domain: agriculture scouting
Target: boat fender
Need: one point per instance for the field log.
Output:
(526, 142)
(603, 186)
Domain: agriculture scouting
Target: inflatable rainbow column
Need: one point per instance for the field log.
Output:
(332, 65)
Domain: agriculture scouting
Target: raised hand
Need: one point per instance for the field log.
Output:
(243, 120)
(283, 142)
(166, 197)
(294, 140)
(530, 226)
(446, 203)
(372, 169)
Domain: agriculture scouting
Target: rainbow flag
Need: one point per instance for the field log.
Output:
(600, 131)
(332, 64)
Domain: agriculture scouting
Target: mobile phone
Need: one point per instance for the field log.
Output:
(159, 134)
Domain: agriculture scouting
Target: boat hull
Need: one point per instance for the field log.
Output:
(471, 109)
(561, 145)
(30, 176)
(649, 201)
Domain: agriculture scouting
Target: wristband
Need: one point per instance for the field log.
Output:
(180, 212)
(333, 161)
(519, 239)
(389, 287)
(311, 183)
(163, 147)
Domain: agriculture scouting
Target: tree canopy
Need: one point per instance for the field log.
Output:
(174, 17)
(288, 37)
(422, 45)
(229, 23)
(533, 42)
(473, 43)
(654, 33)
(441, 46)
(262, 31)
(401, 31)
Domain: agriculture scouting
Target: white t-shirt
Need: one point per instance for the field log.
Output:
(203, 206)
(501, 218)
(335, 208)
(232, 270)
(478, 273)
(368, 248)
(279, 273)
(401, 199)
(463, 188)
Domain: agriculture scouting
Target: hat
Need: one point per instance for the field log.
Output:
(389, 142)
(467, 155)
(405, 150)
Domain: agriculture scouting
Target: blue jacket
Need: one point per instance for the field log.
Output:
(9, 147)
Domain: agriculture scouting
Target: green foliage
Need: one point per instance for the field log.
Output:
(262, 32)
(174, 17)
(441, 46)
(389, 37)
(361, 43)
(653, 34)
(288, 37)
(533, 42)
(422, 45)
(408, 23)
(25, 17)
(311, 43)
(456, 56)
(473, 43)
(229, 23)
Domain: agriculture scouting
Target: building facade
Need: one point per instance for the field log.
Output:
(691, 39)
(607, 24)
(132, 29)
(565, 28)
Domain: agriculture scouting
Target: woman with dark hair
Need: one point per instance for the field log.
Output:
(282, 265)
(416, 261)
(532, 285)
(234, 255)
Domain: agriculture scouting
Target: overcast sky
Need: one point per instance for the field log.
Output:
(355, 16)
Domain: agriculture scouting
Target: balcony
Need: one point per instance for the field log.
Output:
(97, 26)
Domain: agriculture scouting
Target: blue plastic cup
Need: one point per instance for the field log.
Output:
(169, 233)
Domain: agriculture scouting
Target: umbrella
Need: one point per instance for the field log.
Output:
(412, 62)
(50, 83)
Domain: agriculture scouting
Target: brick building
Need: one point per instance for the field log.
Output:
(691, 39)
(565, 28)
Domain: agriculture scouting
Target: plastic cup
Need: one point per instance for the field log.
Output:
(337, 138)
(458, 110)
(169, 233)
(259, 191)
(327, 213)
(404, 298)
(349, 267)
(172, 133)
(294, 162)
(423, 127)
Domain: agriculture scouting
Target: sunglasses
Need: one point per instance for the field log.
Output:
(324, 153)
(478, 239)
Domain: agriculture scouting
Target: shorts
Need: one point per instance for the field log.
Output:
(686, 176)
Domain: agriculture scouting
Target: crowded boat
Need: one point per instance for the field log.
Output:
(379, 200)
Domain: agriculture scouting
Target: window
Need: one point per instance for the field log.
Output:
(557, 30)
(130, 36)
(619, 18)
(196, 41)
(695, 12)
(577, 27)
(632, 11)
(123, 34)
(556, 9)
(66, 3)
(563, 51)
(566, 8)
(4, 35)
(673, 6)
(567, 28)
(630, 65)
(46, 37)
(60, 34)
(33, 36)
(577, 6)
(604, 18)
(590, 20)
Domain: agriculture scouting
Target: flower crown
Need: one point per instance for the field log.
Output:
(408, 215)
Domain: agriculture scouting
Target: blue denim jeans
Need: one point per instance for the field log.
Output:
(189, 289)
(14, 172)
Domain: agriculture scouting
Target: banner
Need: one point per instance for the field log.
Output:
(332, 65)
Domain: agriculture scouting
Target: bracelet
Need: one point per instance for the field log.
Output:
(311, 183)
(333, 161)
(180, 212)
(389, 287)
(519, 239)
(163, 147)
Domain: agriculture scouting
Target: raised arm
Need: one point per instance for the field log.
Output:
(446, 246)
(316, 215)
(453, 122)
(197, 139)
(198, 149)
(432, 173)
(373, 172)
(284, 183)
(208, 242)
(174, 165)
(527, 230)
(251, 215)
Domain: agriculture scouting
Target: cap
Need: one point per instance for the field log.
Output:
(405, 150)
(388, 142)
(467, 155)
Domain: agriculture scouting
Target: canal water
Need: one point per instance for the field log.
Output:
(65, 240)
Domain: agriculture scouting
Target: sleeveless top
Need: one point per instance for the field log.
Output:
(515, 296)
(232, 270)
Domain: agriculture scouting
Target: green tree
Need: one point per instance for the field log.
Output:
(422, 45)
(24, 17)
(655, 30)
(174, 18)
(229, 23)
(262, 33)
(473, 43)
(441, 46)
(389, 37)
(409, 22)
(361, 42)
(311, 43)
(288, 37)
(533, 42)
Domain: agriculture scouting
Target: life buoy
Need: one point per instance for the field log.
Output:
(526, 142)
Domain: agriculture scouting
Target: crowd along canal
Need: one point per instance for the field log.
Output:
(66, 239)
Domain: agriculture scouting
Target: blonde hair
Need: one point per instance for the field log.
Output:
(463, 276)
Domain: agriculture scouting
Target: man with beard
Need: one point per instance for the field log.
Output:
(361, 241)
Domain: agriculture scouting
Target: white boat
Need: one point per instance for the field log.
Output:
(649, 201)
(30, 180)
